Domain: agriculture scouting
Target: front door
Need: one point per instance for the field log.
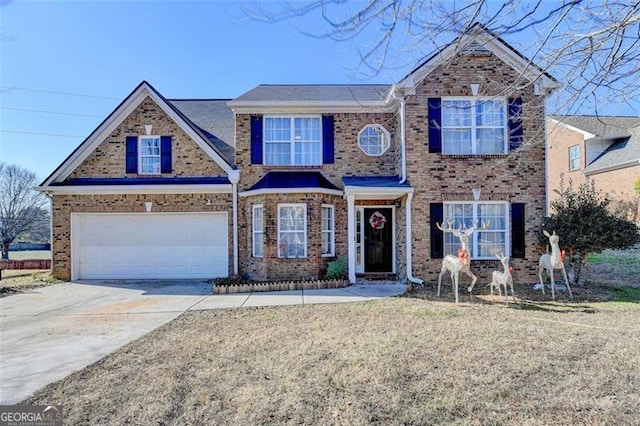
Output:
(378, 240)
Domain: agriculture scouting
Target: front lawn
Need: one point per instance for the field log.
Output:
(393, 361)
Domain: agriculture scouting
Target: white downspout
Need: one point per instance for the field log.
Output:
(403, 146)
(410, 276)
(234, 177)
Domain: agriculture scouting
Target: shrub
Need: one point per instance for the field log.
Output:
(338, 268)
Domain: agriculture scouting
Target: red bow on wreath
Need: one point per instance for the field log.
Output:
(377, 220)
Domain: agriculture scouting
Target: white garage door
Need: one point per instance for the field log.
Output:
(149, 245)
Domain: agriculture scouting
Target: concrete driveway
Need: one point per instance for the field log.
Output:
(50, 332)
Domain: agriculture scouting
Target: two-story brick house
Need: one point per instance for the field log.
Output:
(282, 179)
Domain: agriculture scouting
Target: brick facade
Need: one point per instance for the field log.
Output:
(108, 161)
(516, 178)
(64, 205)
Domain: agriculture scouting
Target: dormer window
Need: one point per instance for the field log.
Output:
(374, 140)
(474, 126)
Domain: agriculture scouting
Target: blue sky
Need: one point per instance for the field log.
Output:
(80, 59)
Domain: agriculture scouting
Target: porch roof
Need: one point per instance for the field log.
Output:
(378, 187)
(292, 182)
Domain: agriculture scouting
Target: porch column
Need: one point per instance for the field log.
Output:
(351, 236)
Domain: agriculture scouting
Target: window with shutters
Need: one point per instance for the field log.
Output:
(149, 155)
(483, 244)
(293, 141)
(474, 126)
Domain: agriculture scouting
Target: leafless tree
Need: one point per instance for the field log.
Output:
(591, 46)
(22, 209)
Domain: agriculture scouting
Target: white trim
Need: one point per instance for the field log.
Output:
(292, 141)
(114, 120)
(332, 230)
(528, 70)
(75, 216)
(474, 127)
(254, 231)
(384, 136)
(139, 142)
(507, 229)
(351, 237)
(409, 242)
(618, 166)
(586, 135)
(376, 193)
(362, 242)
(137, 189)
(304, 206)
(263, 191)
(577, 157)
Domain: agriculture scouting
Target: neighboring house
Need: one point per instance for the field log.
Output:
(283, 179)
(605, 149)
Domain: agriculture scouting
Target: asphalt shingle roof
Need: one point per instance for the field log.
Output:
(622, 132)
(316, 93)
(214, 118)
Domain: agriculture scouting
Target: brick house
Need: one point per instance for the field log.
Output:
(283, 179)
(605, 149)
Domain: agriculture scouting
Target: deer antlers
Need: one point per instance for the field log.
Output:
(462, 229)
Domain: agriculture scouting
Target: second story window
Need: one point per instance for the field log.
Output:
(474, 126)
(292, 141)
(149, 163)
(374, 140)
(574, 157)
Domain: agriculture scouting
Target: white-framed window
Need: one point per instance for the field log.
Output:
(258, 231)
(374, 140)
(149, 155)
(293, 141)
(328, 230)
(574, 157)
(292, 230)
(473, 126)
(483, 244)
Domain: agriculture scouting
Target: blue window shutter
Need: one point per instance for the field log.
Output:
(256, 139)
(435, 124)
(165, 154)
(327, 139)
(436, 213)
(517, 230)
(131, 154)
(515, 123)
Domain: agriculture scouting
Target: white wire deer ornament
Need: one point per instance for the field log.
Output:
(550, 262)
(461, 262)
(502, 278)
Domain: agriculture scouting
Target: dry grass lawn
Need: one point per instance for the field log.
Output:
(394, 361)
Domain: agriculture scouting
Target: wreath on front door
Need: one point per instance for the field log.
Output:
(377, 220)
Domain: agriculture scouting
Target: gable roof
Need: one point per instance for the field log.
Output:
(123, 110)
(480, 38)
(329, 97)
(623, 133)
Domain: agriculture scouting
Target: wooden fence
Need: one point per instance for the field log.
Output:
(26, 264)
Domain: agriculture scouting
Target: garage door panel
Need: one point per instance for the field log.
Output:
(138, 246)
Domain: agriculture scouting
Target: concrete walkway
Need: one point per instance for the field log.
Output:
(50, 332)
